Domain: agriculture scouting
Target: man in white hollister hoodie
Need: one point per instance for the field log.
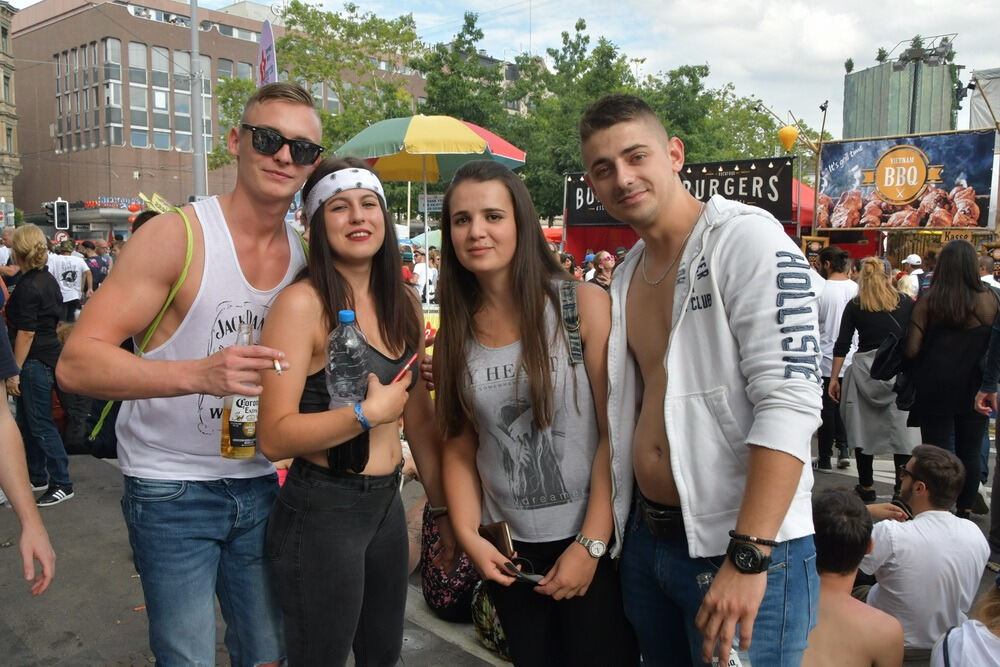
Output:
(714, 387)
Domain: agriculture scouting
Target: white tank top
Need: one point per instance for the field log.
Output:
(178, 438)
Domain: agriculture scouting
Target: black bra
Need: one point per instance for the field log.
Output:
(351, 456)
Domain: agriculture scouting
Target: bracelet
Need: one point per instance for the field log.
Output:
(365, 426)
(750, 538)
(437, 512)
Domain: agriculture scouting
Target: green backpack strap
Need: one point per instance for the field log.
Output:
(159, 316)
(305, 244)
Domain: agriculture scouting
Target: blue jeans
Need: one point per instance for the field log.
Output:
(43, 445)
(192, 541)
(662, 599)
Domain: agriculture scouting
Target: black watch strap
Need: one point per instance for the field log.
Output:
(747, 558)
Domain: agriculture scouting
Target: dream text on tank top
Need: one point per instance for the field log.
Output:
(536, 480)
(178, 437)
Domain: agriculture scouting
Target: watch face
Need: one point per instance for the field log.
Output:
(746, 558)
(597, 548)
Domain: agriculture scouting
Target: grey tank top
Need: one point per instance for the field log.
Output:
(536, 480)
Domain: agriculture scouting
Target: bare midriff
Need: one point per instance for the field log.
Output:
(648, 319)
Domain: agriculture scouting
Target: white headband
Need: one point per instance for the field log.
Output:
(352, 178)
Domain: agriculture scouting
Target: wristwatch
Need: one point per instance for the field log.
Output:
(747, 558)
(595, 548)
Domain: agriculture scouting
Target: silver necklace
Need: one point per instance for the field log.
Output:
(655, 283)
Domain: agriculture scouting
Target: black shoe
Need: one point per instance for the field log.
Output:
(822, 463)
(844, 457)
(867, 495)
(979, 505)
(55, 495)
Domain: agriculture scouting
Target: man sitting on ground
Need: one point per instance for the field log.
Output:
(927, 569)
(843, 537)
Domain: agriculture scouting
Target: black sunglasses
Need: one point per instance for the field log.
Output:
(903, 472)
(268, 142)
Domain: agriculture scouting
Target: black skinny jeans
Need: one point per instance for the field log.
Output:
(584, 630)
(866, 476)
(338, 546)
(832, 430)
(963, 436)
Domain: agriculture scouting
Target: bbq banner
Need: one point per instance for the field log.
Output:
(582, 207)
(765, 183)
(932, 181)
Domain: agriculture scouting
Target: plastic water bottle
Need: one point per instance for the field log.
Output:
(346, 362)
(737, 658)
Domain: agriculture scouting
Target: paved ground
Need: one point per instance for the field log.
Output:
(93, 613)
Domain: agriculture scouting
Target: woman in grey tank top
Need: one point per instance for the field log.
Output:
(337, 534)
(526, 427)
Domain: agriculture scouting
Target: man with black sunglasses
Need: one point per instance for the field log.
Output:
(196, 520)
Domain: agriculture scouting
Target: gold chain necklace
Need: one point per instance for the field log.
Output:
(655, 283)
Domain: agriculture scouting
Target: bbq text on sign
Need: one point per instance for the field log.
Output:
(901, 174)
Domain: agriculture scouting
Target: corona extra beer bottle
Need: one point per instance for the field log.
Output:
(239, 415)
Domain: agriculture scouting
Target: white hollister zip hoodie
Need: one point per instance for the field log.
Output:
(742, 368)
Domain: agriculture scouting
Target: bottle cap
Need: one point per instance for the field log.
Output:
(345, 316)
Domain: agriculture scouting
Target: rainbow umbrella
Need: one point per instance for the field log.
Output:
(427, 148)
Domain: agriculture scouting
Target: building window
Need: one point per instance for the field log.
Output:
(138, 107)
(10, 131)
(6, 89)
(161, 140)
(3, 39)
(116, 135)
(161, 67)
(93, 61)
(112, 94)
(206, 75)
(225, 68)
(56, 58)
(85, 66)
(112, 59)
(136, 62)
(182, 70)
(244, 71)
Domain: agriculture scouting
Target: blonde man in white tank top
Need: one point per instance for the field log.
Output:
(197, 521)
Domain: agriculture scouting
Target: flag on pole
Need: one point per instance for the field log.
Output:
(267, 65)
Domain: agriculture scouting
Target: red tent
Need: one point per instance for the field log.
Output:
(808, 197)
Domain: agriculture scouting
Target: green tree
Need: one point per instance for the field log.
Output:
(353, 45)
(232, 94)
(459, 82)
(345, 50)
(849, 65)
(882, 55)
(556, 100)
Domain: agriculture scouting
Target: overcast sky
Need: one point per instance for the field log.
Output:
(789, 53)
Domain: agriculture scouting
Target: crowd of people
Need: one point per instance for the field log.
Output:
(620, 450)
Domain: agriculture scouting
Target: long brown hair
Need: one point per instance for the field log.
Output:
(875, 293)
(395, 304)
(532, 271)
(954, 291)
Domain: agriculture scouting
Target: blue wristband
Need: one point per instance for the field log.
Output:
(361, 417)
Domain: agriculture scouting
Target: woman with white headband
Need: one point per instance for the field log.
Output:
(337, 533)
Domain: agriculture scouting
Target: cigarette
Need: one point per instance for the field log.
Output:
(405, 368)
(277, 367)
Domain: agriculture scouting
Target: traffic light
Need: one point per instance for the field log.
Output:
(61, 214)
(50, 212)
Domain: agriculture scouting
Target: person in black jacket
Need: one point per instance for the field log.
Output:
(947, 340)
(32, 315)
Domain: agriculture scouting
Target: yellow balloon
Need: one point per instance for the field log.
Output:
(787, 136)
